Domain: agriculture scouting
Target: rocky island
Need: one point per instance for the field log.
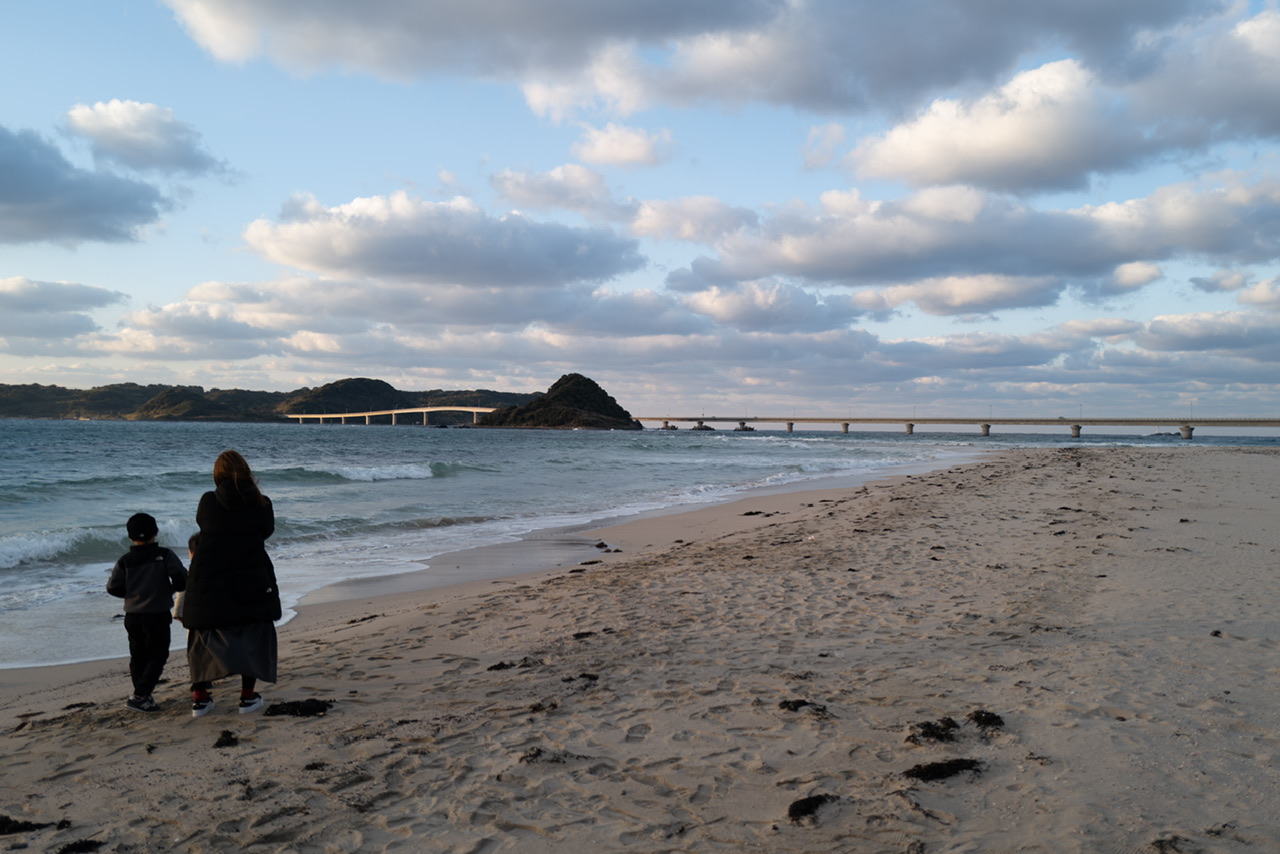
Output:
(573, 402)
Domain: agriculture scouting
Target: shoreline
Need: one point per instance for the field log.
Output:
(556, 550)
(1059, 650)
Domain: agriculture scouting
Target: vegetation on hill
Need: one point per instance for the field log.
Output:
(573, 402)
(130, 401)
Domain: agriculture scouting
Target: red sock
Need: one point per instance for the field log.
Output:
(200, 696)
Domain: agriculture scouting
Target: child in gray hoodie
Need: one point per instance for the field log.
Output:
(146, 578)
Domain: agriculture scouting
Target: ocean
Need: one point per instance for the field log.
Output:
(359, 502)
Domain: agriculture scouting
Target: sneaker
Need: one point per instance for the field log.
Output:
(142, 704)
(200, 708)
(250, 704)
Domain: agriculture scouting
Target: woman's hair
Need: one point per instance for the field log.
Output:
(230, 468)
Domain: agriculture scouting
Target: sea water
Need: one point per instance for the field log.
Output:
(360, 501)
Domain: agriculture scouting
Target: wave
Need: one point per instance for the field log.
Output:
(340, 473)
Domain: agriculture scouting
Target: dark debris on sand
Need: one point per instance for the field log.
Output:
(226, 739)
(536, 755)
(946, 729)
(986, 720)
(16, 825)
(942, 770)
(943, 729)
(80, 846)
(817, 710)
(299, 708)
(806, 809)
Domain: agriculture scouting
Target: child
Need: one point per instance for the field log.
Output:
(146, 578)
(192, 542)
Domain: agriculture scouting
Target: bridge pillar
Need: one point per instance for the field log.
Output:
(368, 419)
(1186, 430)
(1075, 431)
(911, 428)
(791, 426)
(844, 428)
(986, 429)
(393, 419)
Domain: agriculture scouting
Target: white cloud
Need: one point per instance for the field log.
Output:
(1046, 129)
(618, 145)
(142, 136)
(969, 294)
(1015, 253)
(1133, 276)
(775, 307)
(399, 237)
(569, 187)
(697, 219)
(1265, 295)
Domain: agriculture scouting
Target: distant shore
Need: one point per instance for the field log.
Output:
(1045, 650)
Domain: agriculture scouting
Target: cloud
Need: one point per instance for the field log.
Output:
(824, 55)
(399, 237)
(772, 307)
(1055, 126)
(957, 250)
(569, 187)
(489, 37)
(1265, 295)
(697, 219)
(143, 137)
(50, 310)
(1221, 281)
(617, 145)
(1132, 276)
(823, 143)
(1048, 129)
(43, 197)
(950, 295)
(1234, 332)
(1217, 83)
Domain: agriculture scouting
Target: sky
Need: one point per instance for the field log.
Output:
(794, 207)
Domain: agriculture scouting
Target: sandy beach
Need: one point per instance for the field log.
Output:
(1069, 650)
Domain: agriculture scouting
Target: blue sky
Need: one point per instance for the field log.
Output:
(813, 206)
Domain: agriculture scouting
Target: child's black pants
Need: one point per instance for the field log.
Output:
(148, 649)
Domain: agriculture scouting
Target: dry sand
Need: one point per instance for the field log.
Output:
(1085, 639)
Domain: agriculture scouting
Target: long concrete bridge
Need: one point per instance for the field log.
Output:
(1186, 426)
(341, 417)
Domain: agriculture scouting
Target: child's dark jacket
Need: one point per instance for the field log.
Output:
(146, 579)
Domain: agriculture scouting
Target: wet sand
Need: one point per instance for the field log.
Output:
(1045, 651)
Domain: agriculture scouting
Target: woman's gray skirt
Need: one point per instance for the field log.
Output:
(247, 650)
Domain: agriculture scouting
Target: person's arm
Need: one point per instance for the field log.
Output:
(116, 584)
(177, 572)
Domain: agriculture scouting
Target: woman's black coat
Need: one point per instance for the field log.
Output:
(231, 581)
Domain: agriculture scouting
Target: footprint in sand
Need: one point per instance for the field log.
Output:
(638, 732)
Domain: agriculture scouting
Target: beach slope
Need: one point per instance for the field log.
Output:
(1045, 651)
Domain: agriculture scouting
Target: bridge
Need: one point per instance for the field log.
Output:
(341, 417)
(1186, 426)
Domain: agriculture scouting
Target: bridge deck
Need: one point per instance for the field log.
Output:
(1108, 421)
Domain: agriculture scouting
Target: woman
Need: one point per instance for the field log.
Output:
(232, 600)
